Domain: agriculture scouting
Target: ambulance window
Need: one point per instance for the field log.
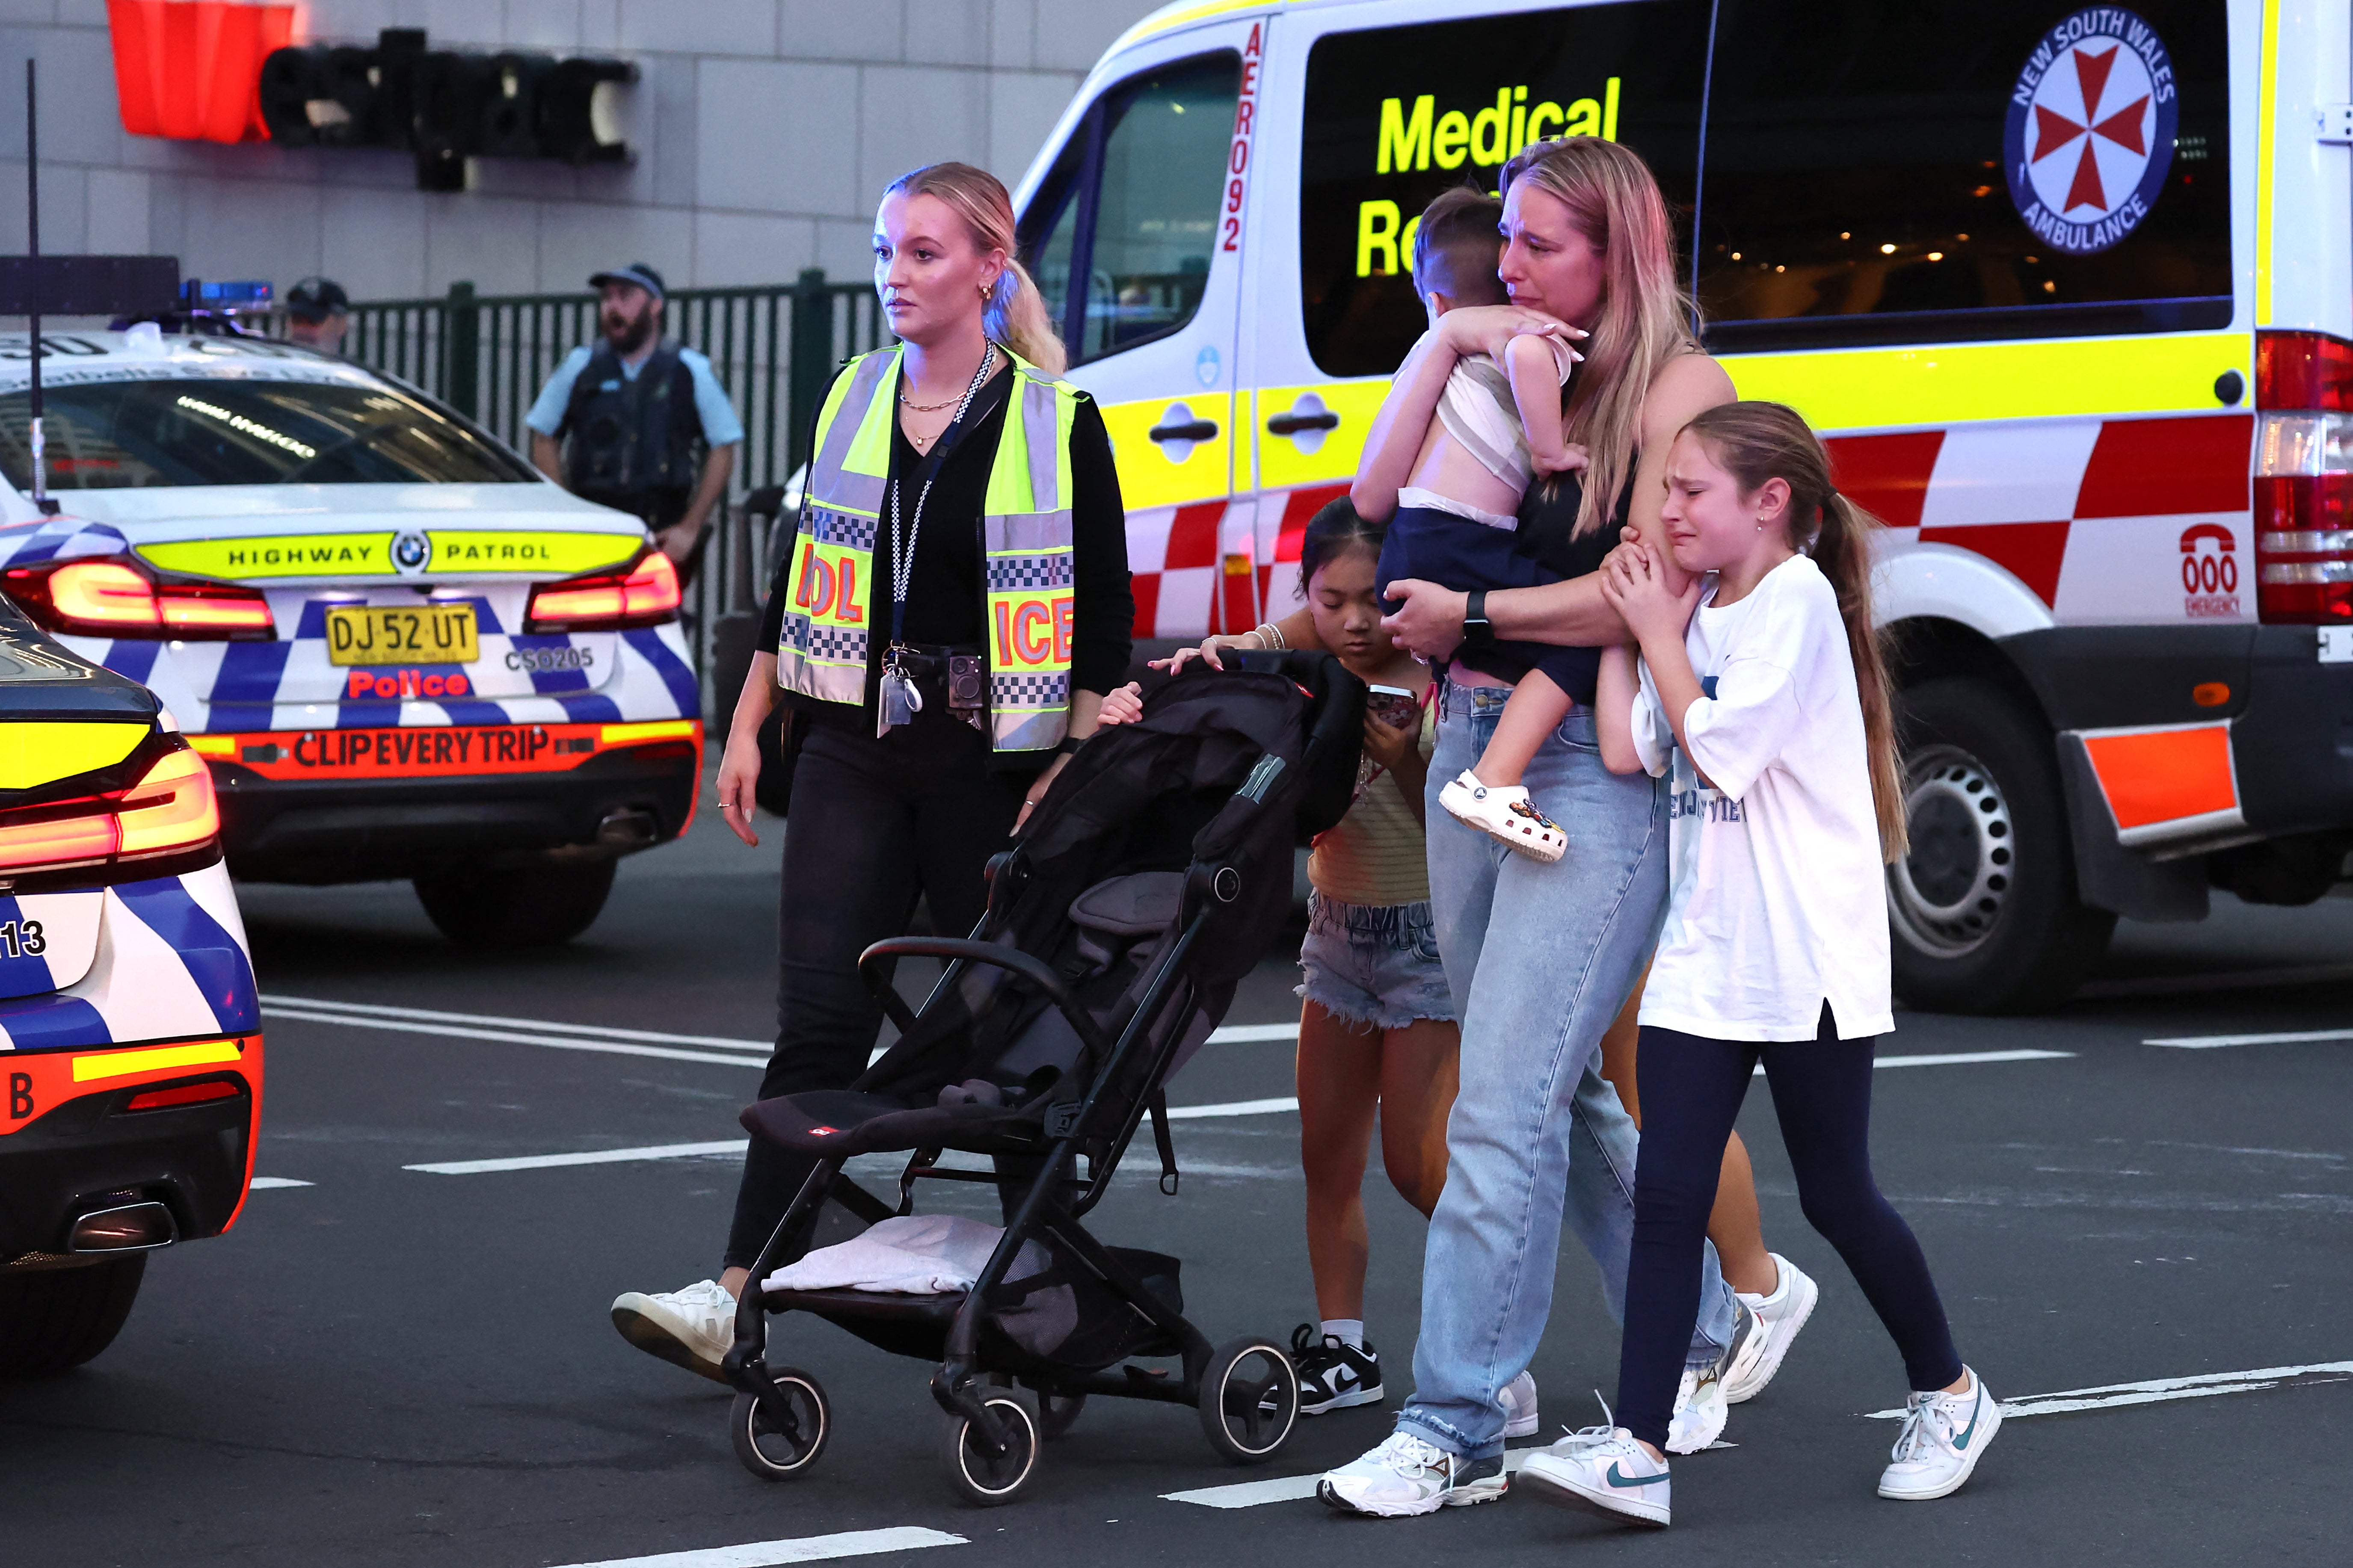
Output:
(1909, 171)
(1395, 115)
(1120, 234)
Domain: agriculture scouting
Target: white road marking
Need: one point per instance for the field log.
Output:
(1253, 1034)
(590, 1157)
(809, 1549)
(1292, 1488)
(2158, 1390)
(2213, 1042)
(504, 1037)
(1232, 1108)
(259, 1183)
(1954, 1059)
(537, 1026)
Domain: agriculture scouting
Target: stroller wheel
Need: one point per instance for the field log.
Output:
(780, 1437)
(990, 1480)
(1058, 1412)
(1249, 1400)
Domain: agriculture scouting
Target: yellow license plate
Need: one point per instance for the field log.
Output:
(403, 634)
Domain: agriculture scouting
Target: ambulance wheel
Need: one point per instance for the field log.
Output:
(1983, 911)
(989, 1479)
(779, 1437)
(517, 906)
(1249, 1401)
(54, 1318)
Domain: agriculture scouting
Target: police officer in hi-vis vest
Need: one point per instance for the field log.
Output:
(944, 630)
(638, 423)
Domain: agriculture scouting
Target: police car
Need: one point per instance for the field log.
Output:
(2069, 287)
(131, 1049)
(403, 651)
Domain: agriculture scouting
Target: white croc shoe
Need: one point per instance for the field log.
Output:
(1504, 812)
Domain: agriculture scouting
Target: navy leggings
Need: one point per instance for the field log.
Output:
(1692, 1089)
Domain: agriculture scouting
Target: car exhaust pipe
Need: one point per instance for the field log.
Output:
(626, 830)
(129, 1228)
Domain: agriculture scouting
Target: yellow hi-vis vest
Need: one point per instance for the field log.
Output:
(1025, 534)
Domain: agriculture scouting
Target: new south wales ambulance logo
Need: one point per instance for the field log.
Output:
(2090, 136)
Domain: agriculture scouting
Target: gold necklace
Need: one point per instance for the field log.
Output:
(987, 354)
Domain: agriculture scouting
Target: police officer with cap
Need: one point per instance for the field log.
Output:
(638, 423)
(318, 312)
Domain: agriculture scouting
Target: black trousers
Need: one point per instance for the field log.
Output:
(1692, 1089)
(875, 825)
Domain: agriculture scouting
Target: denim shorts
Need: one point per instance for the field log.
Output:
(1374, 964)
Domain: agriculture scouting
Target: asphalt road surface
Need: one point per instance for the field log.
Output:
(386, 1364)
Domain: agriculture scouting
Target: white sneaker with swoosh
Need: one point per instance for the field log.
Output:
(1603, 1471)
(1942, 1437)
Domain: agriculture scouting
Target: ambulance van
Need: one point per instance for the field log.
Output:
(2070, 289)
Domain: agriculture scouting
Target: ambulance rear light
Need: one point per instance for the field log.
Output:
(2304, 371)
(647, 595)
(171, 811)
(115, 599)
(2303, 519)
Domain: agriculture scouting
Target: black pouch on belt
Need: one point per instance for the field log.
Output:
(945, 671)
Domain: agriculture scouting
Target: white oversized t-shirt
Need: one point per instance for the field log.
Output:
(1777, 900)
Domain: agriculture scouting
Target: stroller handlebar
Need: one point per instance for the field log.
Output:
(965, 950)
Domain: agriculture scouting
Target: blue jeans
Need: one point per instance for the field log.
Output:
(1540, 959)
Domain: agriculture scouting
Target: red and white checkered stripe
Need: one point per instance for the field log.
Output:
(2119, 521)
(1179, 557)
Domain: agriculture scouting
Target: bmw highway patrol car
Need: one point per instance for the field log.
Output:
(404, 653)
(129, 1035)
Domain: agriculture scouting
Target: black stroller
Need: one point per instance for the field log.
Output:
(1148, 881)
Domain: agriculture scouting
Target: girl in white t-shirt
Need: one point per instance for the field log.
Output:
(1762, 691)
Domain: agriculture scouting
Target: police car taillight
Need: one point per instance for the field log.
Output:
(2303, 478)
(172, 810)
(645, 596)
(113, 599)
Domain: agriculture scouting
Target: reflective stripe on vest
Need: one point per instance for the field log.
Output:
(1025, 533)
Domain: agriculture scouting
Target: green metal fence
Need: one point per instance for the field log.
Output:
(774, 348)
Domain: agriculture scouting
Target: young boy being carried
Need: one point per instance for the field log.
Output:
(1498, 429)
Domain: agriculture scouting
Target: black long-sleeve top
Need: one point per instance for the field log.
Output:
(944, 596)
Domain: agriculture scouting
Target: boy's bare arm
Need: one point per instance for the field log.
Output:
(1399, 430)
(1536, 388)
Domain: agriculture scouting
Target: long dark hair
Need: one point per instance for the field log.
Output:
(1754, 442)
(1332, 532)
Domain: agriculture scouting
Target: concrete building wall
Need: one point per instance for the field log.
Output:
(763, 130)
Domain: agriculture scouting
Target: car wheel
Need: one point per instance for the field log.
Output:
(1982, 910)
(516, 906)
(53, 1318)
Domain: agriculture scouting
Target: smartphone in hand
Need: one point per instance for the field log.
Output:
(1393, 706)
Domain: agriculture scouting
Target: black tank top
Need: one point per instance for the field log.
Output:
(1548, 536)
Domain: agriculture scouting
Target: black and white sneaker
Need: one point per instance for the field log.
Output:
(1333, 1374)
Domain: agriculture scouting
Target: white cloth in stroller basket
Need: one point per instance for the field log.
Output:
(915, 1255)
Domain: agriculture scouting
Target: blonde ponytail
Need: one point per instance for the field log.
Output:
(1754, 442)
(1014, 314)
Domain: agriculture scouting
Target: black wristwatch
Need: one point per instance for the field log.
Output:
(1478, 633)
(1070, 744)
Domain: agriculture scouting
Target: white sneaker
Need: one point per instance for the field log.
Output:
(1942, 1437)
(692, 1328)
(1504, 812)
(1600, 1470)
(1518, 1398)
(1699, 1410)
(1781, 1314)
(1405, 1477)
